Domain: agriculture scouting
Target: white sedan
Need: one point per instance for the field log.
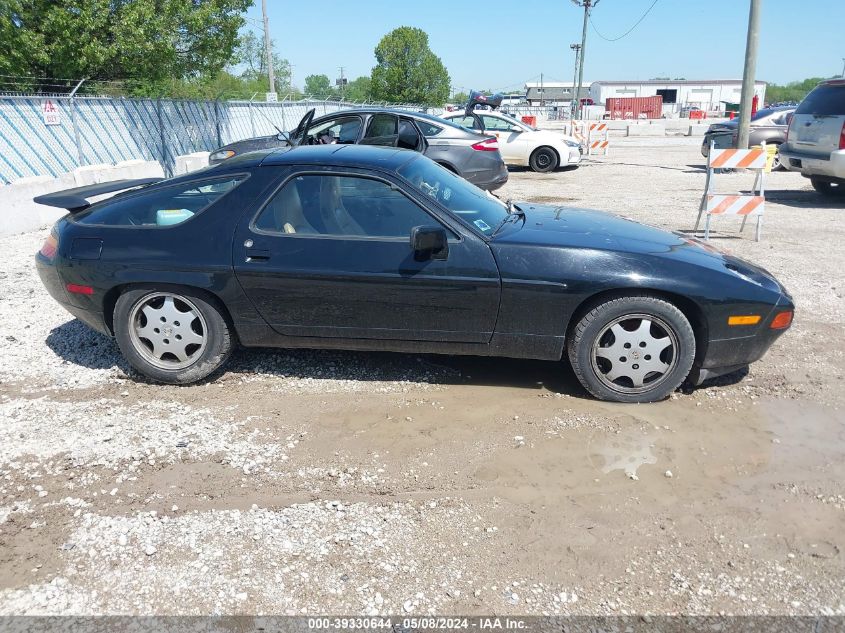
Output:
(521, 144)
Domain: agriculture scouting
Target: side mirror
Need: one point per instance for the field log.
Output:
(515, 128)
(429, 242)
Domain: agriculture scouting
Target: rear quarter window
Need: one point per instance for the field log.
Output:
(161, 207)
(824, 100)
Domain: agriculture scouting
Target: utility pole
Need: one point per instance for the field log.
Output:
(587, 4)
(577, 49)
(542, 92)
(748, 74)
(268, 48)
(843, 67)
(342, 83)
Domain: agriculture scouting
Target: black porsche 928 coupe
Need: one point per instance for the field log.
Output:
(369, 248)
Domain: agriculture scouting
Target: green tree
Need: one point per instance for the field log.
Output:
(318, 86)
(250, 53)
(147, 41)
(358, 89)
(793, 91)
(407, 71)
(460, 98)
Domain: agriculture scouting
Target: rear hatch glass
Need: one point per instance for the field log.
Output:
(824, 101)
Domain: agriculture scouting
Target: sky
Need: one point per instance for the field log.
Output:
(499, 45)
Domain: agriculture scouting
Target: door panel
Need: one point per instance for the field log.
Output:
(359, 286)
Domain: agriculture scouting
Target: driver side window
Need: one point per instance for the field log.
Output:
(342, 130)
(328, 204)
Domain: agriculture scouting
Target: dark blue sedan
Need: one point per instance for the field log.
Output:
(366, 248)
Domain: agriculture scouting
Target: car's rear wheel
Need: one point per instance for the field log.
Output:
(173, 335)
(827, 188)
(632, 349)
(543, 159)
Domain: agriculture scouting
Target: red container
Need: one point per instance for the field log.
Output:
(697, 114)
(634, 107)
(530, 120)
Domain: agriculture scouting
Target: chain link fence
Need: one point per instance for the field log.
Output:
(50, 135)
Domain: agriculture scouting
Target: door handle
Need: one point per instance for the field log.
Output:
(256, 255)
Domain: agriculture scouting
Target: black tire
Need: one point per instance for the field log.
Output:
(204, 337)
(827, 188)
(594, 339)
(543, 160)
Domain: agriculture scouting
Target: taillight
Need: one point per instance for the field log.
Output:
(789, 127)
(487, 145)
(50, 247)
(842, 137)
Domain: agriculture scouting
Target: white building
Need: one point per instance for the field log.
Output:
(552, 93)
(710, 94)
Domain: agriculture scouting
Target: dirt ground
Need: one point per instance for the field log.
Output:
(321, 482)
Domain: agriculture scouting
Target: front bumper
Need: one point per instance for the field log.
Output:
(570, 156)
(724, 356)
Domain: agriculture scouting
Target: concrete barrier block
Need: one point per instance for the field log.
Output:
(130, 169)
(93, 174)
(647, 129)
(697, 129)
(190, 162)
(19, 213)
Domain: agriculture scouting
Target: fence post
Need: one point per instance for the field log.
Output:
(251, 119)
(217, 121)
(80, 155)
(168, 170)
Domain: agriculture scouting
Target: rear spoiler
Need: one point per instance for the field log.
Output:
(76, 199)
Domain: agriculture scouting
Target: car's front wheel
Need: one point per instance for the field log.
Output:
(632, 349)
(827, 188)
(173, 335)
(543, 159)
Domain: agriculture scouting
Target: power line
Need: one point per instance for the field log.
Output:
(626, 33)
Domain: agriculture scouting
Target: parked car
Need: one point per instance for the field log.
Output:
(371, 248)
(815, 145)
(469, 154)
(520, 143)
(769, 125)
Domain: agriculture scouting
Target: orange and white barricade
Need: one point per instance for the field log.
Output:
(578, 130)
(744, 205)
(597, 139)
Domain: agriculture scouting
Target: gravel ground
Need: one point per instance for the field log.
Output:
(306, 482)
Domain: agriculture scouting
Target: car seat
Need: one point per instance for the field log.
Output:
(287, 211)
(334, 215)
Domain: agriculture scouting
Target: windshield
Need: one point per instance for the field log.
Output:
(466, 201)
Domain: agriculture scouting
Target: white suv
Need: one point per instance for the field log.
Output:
(815, 142)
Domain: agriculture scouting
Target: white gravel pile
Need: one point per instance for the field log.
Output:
(110, 433)
(41, 343)
(314, 557)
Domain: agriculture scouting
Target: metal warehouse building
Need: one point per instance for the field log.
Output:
(552, 92)
(711, 94)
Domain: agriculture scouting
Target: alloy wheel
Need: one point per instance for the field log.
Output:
(167, 330)
(634, 353)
